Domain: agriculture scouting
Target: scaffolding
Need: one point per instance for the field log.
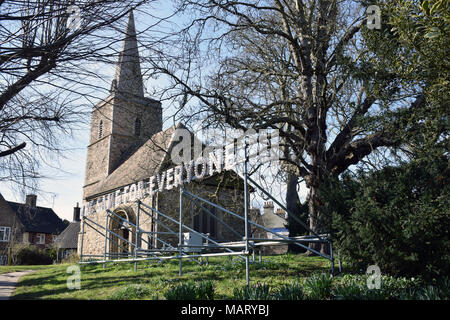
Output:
(208, 247)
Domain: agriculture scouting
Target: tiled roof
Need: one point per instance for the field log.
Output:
(38, 219)
(68, 239)
(144, 162)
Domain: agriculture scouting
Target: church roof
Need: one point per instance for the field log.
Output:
(142, 164)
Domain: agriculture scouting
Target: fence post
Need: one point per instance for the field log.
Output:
(180, 236)
(106, 239)
(247, 273)
(137, 242)
(82, 236)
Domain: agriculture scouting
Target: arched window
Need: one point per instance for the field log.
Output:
(100, 129)
(137, 127)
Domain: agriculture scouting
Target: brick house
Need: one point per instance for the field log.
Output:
(27, 223)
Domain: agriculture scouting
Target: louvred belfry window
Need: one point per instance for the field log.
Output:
(137, 127)
(100, 129)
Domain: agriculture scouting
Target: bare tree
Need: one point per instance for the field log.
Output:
(50, 75)
(302, 67)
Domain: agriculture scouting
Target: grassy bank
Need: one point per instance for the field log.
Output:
(276, 277)
(6, 269)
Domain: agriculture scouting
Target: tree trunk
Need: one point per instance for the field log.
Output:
(316, 221)
(313, 217)
(291, 194)
(293, 205)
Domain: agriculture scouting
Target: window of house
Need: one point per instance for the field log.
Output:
(137, 127)
(5, 233)
(41, 238)
(100, 129)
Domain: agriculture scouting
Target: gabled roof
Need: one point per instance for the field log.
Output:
(68, 239)
(38, 219)
(142, 164)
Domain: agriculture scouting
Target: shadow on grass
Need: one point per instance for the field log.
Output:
(98, 282)
(58, 286)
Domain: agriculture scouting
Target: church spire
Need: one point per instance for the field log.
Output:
(128, 78)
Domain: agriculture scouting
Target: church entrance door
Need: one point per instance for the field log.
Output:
(122, 231)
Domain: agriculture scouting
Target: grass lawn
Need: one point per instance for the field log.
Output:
(6, 269)
(226, 274)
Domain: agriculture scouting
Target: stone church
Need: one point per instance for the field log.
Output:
(127, 145)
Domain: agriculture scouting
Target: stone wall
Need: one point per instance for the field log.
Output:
(125, 114)
(97, 160)
(167, 203)
(126, 111)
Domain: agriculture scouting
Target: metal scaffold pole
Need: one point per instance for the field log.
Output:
(106, 239)
(180, 236)
(82, 237)
(247, 273)
(332, 258)
(137, 235)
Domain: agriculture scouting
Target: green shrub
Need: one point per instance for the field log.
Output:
(352, 291)
(354, 287)
(253, 292)
(32, 255)
(444, 286)
(429, 293)
(72, 258)
(318, 287)
(263, 292)
(133, 291)
(205, 290)
(289, 292)
(439, 291)
(359, 291)
(396, 287)
(191, 291)
(397, 218)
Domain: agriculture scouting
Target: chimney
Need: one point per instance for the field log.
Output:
(268, 207)
(280, 212)
(31, 200)
(76, 213)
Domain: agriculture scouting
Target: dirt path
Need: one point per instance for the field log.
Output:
(8, 282)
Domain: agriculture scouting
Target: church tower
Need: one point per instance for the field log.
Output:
(124, 120)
